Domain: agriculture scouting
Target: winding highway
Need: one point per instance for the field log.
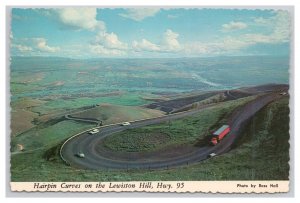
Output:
(97, 158)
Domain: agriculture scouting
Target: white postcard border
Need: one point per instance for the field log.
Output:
(156, 186)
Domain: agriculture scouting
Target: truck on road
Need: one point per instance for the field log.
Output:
(219, 134)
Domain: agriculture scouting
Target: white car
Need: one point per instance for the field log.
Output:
(125, 124)
(212, 155)
(283, 93)
(80, 155)
(94, 131)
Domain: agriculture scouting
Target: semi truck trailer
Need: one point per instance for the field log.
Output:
(219, 134)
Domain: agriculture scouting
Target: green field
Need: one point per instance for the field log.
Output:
(262, 154)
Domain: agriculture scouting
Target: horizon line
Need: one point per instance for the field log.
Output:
(184, 57)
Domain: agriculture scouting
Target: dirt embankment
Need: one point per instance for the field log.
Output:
(171, 105)
(194, 101)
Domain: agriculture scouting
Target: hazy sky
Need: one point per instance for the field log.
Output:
(148, 32)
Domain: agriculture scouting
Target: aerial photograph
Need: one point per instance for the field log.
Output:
(149, 94)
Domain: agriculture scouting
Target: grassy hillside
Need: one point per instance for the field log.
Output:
(109, 113)
(185, 131)
(21, 115)
(262, 154)
(48, 134)
(126, 99)
(27, 112)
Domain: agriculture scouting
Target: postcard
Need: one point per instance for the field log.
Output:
(150, 99)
